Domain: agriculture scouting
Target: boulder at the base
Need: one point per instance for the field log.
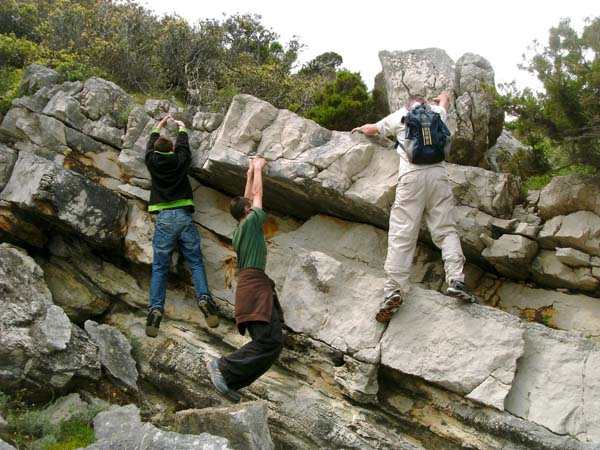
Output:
(121, 428)
(45, 190)
(469, 349)
(40, 349)
(114, 352)
(244, 425)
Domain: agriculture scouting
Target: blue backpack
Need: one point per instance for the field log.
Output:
(427, 138)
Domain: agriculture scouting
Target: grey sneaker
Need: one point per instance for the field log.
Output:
(217, 380)
(153, 322)
(209, 310)
(459, 290)
(388, 307)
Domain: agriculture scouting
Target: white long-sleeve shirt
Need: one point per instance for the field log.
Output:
(392, 125)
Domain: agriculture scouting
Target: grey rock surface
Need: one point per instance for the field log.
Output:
(568, 194)
(121, 428)
(114, 353)
(469, 349)
(244, 425)
(39, 187)
(40, 349)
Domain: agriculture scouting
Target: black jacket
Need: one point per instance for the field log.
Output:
(169, 171)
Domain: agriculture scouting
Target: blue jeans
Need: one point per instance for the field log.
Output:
(174, 228)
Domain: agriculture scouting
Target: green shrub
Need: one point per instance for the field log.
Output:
(10, 78)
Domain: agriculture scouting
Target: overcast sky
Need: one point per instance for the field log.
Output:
(500, 31)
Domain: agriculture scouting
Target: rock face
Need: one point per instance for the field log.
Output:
(40, 349)
(114, 352)
(567, 194)
(122, 428)
(244, 425)
(441, 374)
(474, 119)
(39, 187)
(480, 363)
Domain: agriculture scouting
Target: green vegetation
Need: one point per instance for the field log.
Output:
(203, 64)
(345, 103)
(561, 123)
(32, 428)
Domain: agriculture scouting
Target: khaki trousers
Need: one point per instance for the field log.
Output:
(422, 193)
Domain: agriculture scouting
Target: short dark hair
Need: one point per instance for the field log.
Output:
(237, 207)
(415, 97)
(163, 144)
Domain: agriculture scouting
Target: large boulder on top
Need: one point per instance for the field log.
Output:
(473, 118)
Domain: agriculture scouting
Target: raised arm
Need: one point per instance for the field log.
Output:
(156, 133)
(443, 100)
(257, 183)
(249, 180)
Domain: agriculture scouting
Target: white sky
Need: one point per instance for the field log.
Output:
(499, 30)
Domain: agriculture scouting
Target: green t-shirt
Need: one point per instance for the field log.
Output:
(249, 240)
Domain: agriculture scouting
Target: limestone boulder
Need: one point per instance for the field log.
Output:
(548, 270)
(572, 257)
(554, 385)
(114, 352)
(102, 99)
(121, 427)
(506, 146)
(493, 193)
(474, 119)
(579, 230)
(244, 425)
(568, 194)
(511, 255)
(35, 77)
(70, 201)
(477, 359)
(40, 349)
(311, 169)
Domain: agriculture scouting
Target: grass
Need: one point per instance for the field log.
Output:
(31, 428)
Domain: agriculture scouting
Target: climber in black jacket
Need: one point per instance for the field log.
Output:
(171, 198)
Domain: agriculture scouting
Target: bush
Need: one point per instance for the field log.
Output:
(10, 78)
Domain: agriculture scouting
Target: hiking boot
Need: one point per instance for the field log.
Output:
(388, 307)
(153, 322)
(209, 309)
(217, 380)
(459, 290)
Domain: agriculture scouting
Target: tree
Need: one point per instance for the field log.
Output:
(343, 103)
(566, 115)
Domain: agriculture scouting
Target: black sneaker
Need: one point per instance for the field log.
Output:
(209, 309)
(459, 290)
(217, 380)
(153, 322)
(388, 307)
